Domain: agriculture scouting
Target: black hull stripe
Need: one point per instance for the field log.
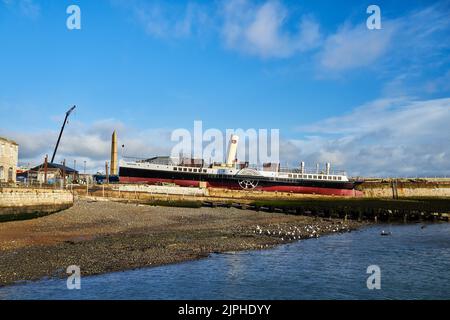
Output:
(266, 182)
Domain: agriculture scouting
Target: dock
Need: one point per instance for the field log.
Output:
(376, 208)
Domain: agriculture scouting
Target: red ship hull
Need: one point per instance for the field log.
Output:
(280, 188)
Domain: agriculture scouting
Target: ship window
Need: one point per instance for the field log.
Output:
(190, 170)
(314, 177)
(334, 178)
(174, 168)
(184, 169)
(204, 170)
(309, 176)
(339, 178)
(320, 177)
(195, 170)
(295, 176)
(290, 175)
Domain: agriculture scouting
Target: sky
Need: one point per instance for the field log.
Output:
(372, 102)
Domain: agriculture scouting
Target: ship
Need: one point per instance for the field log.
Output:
(233, 175)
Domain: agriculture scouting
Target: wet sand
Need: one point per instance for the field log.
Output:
(106, 236)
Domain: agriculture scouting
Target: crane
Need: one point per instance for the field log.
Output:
(61, 132)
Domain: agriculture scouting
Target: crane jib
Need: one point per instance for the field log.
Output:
(61, 132)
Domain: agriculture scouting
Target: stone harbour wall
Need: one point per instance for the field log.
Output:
(175, 190)
(409, 189)
(24, 203)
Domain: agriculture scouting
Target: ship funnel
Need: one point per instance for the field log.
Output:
(302, 167)
(328, 166)
(232, 150)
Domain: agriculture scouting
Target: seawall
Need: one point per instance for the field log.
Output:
(375, 189)
(406, 188)
(25, 203)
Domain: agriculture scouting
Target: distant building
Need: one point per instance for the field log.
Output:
(55, 174)
(9, 154)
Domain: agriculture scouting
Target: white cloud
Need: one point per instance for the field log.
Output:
(439, 84)
(165, 20)
(268, 29)
(406, 41)
(89, 142)
(27, 8)
(388, 137)
(261, 29)
(352, 47)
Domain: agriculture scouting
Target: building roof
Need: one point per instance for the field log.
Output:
(8, 141)
(55, 166)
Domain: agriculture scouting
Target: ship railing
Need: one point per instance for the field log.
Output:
(337, 172)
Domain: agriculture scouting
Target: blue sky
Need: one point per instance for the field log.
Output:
(336, 90)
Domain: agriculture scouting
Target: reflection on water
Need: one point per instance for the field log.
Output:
(414, 264)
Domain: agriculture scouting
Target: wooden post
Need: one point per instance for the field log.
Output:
(45, 169)
(64, 173)
(107, 172)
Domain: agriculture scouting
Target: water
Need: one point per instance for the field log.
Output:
(414, 264)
